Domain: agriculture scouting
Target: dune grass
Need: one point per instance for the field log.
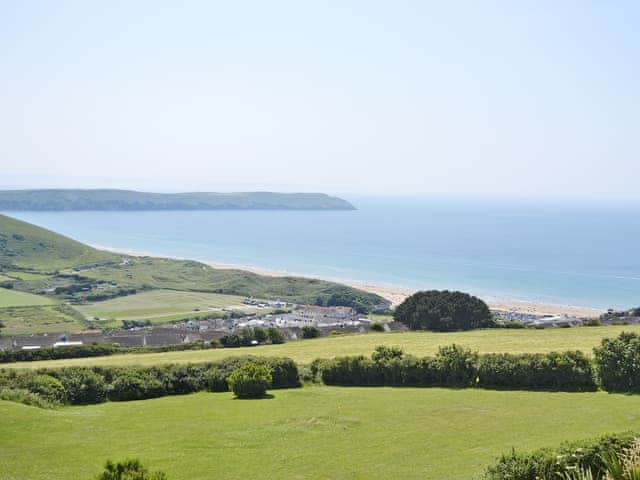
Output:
(416, 343)
(308, 433)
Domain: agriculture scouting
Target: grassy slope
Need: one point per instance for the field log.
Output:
(416, 343)
(309, 433)
(196, 276)
(29, 246)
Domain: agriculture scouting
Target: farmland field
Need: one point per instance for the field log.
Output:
(160, 305)
(416, 343)
(308, 433)
(13, 298)
(40, 319)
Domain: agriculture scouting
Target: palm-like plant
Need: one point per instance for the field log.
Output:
(623, 466)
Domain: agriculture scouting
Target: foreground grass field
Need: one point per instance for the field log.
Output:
(416, 343)
(159, 306)
(308, 433)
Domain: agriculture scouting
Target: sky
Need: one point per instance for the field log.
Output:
(526, 98)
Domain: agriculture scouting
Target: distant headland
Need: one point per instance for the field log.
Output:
(129, 200)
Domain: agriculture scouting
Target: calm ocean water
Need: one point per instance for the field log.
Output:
(587, 255)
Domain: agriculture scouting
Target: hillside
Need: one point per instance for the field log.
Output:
(107, 199)
(85, 273)
(27, 246)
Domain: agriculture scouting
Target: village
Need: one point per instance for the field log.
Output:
(291, 320)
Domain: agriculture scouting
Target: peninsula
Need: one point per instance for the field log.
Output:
(129, 200)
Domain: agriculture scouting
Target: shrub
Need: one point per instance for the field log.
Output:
(310, 332)
(135, 386)
(230, 340)
(46, 386)
(260, 335)
(457, 366)
(382, 353)
(376, 327)
(568, 371)
(443, 311)
(454, 366)
(26, 397)
(618, 363)
(284, 371)
(129, 470)
(247, 336)
(82, 385)
(552, 463)
(215, 379)
(93, 385)
(251, 380)
(275, 335)
(181, 379)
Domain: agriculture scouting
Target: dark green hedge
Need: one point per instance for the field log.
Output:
(458, 367)
(566, 371)
(93, 350)
(83, 385)
(618, 362)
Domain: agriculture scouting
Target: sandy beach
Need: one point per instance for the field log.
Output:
(392, 293)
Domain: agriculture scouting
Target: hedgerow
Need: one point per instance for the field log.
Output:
(85, 385)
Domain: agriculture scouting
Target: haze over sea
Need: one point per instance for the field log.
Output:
(584, 254)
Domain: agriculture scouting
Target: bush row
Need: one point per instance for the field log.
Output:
(454, 366)
(551, 463)
(84, 385)
(93, 350)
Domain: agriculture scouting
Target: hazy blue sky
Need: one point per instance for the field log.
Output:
(513, 97)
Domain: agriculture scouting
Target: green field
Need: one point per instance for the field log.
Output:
(14, 298)
(160, 306)
(26, 276)
(40, 319)
(416, 343)
(308, 433)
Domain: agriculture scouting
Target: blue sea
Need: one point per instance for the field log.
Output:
(584, 254)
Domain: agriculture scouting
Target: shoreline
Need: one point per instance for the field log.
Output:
(395, 294)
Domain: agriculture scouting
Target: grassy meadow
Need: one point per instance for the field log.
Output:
(416, 343)
(160, 306)
(308, 433)
(14, 298)
(40, 319)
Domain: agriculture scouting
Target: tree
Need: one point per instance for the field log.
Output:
(443, 311)
(129, 470)
(310, 332)
(260, 335)
(250, 380)
(230, 340)
(275, 335)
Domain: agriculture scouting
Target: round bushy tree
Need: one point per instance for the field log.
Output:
(443, 310)
(618, 363)
(250, 380)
